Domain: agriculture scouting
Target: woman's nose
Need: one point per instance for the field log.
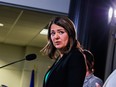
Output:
(56, 35)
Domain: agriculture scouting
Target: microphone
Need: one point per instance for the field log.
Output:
(29, 57)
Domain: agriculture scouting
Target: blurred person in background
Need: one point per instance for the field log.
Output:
(111, 80)
(91, 80)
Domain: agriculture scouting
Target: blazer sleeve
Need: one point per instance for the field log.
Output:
(76, 69)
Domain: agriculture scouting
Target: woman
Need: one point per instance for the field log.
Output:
(69, 68)
(91, 80)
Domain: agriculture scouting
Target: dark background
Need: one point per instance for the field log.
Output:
(91, 20)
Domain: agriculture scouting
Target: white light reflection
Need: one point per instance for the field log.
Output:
(110, 14)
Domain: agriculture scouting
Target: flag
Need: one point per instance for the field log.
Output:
(32, 79)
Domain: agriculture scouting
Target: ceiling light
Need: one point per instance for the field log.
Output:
(44, 32)
(1, 24)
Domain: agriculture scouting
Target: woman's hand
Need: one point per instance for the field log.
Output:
(97, 85)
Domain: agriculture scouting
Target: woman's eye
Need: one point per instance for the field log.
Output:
(61, 32)
(52, 33)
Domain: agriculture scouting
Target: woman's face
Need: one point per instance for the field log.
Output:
(59, 36)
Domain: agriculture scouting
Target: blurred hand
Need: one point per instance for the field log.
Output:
(97, 85)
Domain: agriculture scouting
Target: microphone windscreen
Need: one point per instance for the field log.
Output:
(31, 57)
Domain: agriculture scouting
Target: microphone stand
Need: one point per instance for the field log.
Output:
(12, 63)
(28, 58)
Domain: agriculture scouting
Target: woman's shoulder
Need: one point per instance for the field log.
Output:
(96, 79)
(76, 51)
(76, 55)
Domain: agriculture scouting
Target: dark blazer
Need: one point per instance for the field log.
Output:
(69, 71)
